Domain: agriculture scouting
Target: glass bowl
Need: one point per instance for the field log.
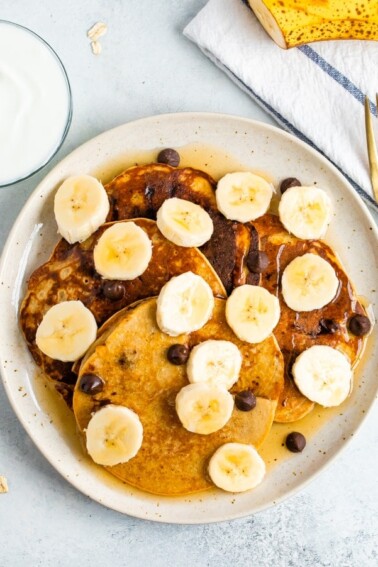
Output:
(25, 85)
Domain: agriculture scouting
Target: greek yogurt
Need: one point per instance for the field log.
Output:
(35, 103)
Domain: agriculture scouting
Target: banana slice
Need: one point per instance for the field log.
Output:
(243, 196)
(323, 374)
(184, 305)
(184, 223)
(122, 252)
(81, 205)
(236, 467)
(308, 283)
(215, 362)
(252, 313)
(305, 211)
(66, 331)
(203, 408)
(114, 435)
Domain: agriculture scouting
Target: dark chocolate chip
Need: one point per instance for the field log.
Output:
(178, 354)
(257, 261)
(91, 384)
(359, 325)
(328, 327)
(169, 156)
(295, 442)
(113, 290)
(245, 400)
(289, 182)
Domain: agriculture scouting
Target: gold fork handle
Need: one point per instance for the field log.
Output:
(372, 149)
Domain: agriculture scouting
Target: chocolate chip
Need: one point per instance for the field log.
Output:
(91, 384)
(295, 442)
(113, 290)
(178, 354)
(257, 261)
(289, 182)
(328, 327)
(359, 325)
(169, 156)
(245, 400)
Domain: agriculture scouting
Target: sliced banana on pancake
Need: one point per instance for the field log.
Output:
(215, 362)
(308, 283)
(323, 374)
(305, 211)
(243, 196)
(236, 467)
(203, 408)
(66, 331)
(81, 205)
(184, 305)
(122, 252)
(114, 435)
(252, 313)
(184, 223)
(131, 359)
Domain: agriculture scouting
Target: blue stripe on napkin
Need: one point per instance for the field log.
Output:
(287, 125)
(335, 74)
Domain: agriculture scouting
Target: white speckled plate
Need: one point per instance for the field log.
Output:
(51, 426)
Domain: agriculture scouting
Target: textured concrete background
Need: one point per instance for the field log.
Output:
(147, 67)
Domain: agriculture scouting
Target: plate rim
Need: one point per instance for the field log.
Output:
(155, 119)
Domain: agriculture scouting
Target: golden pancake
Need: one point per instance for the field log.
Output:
(140, 191)
(295, 331)
(131, 358)
(70, 275)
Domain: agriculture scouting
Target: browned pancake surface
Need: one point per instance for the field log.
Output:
(295, 331)
(70, 275)
(141, 190)
(132, 360)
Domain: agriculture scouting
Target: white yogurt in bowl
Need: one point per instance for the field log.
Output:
(35, 103)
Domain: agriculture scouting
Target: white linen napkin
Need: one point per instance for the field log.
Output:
(315, 91)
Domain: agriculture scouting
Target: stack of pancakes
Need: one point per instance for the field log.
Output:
(131, 350)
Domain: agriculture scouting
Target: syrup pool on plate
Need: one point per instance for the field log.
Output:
(35, 103)
(210, 159)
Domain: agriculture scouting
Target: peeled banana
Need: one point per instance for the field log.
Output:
(81, 205)
(243, 196)
(122, 252)
(184, 305)
(323, 374)
(204, 408)
(215, 362)
(305, 211)
(236, 467)
(309, 282)
(66, 331)
(252, 313)
(184, 223)
(114, 435)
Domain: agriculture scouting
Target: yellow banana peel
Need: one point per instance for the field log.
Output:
(291, 23)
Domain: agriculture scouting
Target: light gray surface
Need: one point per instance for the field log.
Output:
(147, 67)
